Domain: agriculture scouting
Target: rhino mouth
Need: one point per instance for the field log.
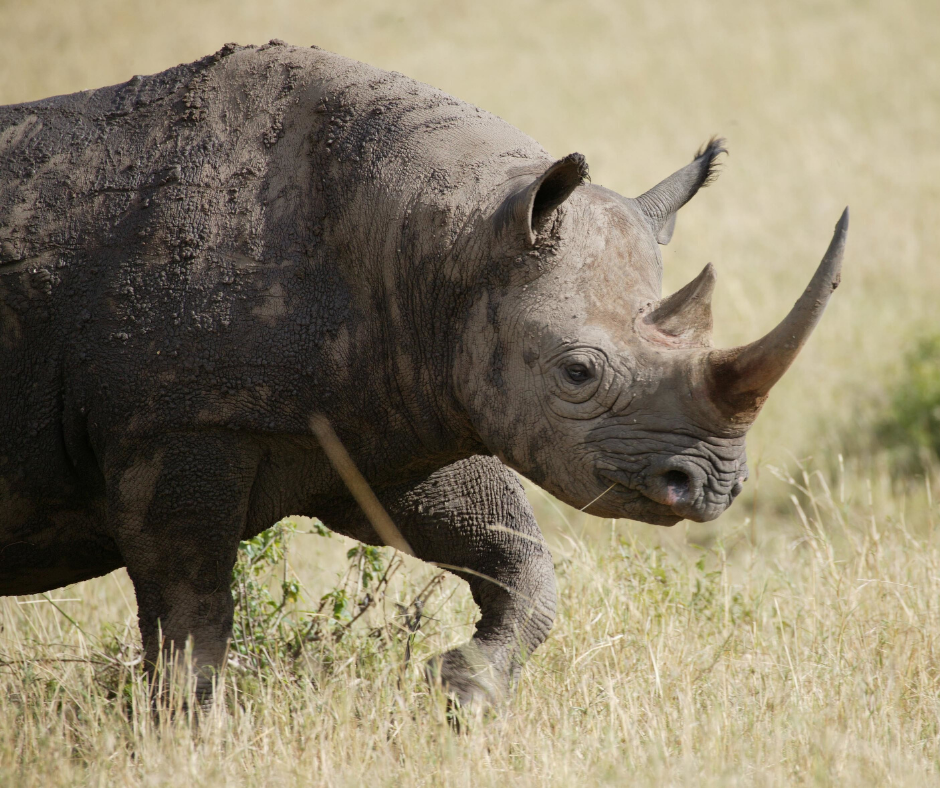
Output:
(626, 501)
(674, 491)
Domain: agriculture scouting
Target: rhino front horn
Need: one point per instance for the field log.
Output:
(740, 378)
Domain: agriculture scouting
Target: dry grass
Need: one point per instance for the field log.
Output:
(801, 651)
(810, 661)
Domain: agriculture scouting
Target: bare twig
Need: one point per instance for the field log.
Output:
(371, 506)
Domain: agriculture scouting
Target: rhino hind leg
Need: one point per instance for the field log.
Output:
(473, 519)
(177, 508)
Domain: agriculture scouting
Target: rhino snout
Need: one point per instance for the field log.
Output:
(676, 485)
(684, 487)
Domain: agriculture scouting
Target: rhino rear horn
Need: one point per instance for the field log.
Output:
(661, 203)
(740, 378)
(529, 208)
(685, 317)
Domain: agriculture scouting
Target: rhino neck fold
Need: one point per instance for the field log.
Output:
(402, 198)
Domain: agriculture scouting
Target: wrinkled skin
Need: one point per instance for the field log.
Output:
(196, 264)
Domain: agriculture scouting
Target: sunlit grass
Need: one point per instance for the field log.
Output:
(807, 659)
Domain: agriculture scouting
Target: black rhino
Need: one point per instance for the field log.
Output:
(196, 264)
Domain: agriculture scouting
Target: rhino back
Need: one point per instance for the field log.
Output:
(239, 242)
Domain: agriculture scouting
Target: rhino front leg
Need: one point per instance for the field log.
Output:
(177, 508)
(473, 519)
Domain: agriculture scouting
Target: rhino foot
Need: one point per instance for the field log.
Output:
(472, 675)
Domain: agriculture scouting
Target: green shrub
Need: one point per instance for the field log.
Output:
(276, 622)
(909, 428)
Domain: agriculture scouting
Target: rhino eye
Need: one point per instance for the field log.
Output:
(578, 373)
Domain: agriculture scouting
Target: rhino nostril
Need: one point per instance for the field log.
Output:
(678, 485)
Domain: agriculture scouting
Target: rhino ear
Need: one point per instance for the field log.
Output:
(661, 203)
(529, 208)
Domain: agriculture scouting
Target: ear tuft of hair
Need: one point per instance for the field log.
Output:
(710, 152)
(583, 170)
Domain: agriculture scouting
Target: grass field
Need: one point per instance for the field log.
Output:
(793, 642)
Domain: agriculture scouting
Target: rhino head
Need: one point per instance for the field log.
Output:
(577, 374)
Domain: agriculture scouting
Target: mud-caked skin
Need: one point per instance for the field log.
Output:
(195, 263)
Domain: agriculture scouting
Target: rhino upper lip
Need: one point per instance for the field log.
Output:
(612, 476)
(619, 479)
